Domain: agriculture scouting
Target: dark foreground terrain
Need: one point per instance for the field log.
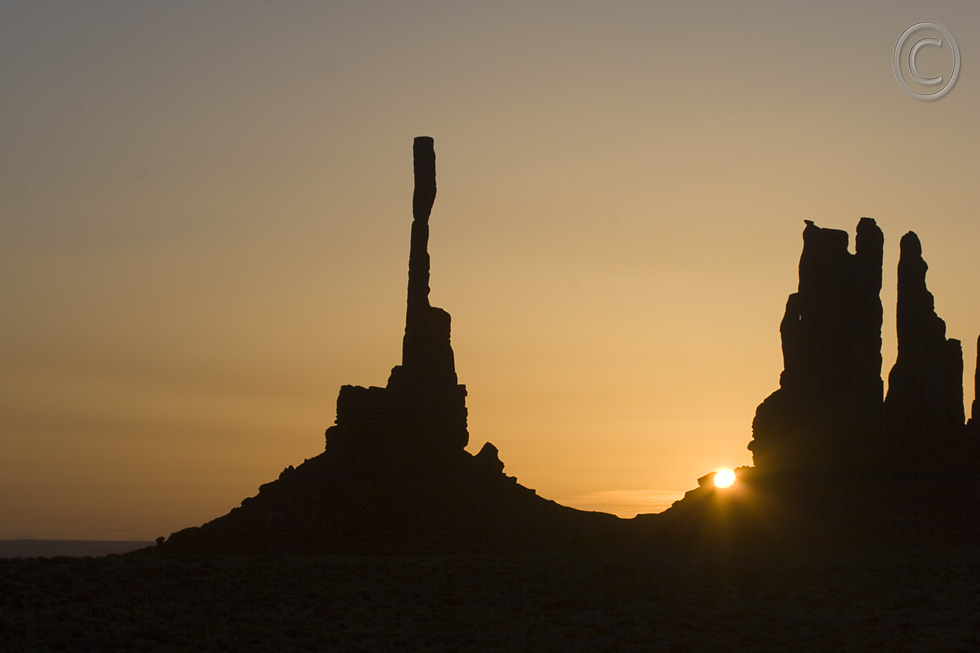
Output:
(873, 599)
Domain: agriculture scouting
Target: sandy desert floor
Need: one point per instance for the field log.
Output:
(873, 600)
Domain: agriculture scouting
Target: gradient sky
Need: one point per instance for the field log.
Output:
(206, 210)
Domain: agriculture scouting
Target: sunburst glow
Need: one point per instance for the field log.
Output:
(724, 478)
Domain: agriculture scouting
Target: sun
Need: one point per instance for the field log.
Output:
(724, 477)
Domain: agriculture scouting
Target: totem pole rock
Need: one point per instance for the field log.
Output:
(423, 408)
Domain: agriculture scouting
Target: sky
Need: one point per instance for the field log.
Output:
(205, 212)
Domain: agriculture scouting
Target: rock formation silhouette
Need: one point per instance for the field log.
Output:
(924, 407)
(830, 455)
(974, 423)
(394, 475)
(827, 410)
(423, 408)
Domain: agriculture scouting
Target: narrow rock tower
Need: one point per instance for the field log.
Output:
(924, 406)
(423, 408)
(425, 382)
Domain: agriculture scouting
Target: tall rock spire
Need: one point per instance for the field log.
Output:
(924, 405)
(426, 353)
(425, 383)
(418, 259)
(422, 411)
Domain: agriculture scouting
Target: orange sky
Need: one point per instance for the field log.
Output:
(206, 210)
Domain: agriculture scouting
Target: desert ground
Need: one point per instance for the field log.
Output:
(875, 598)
